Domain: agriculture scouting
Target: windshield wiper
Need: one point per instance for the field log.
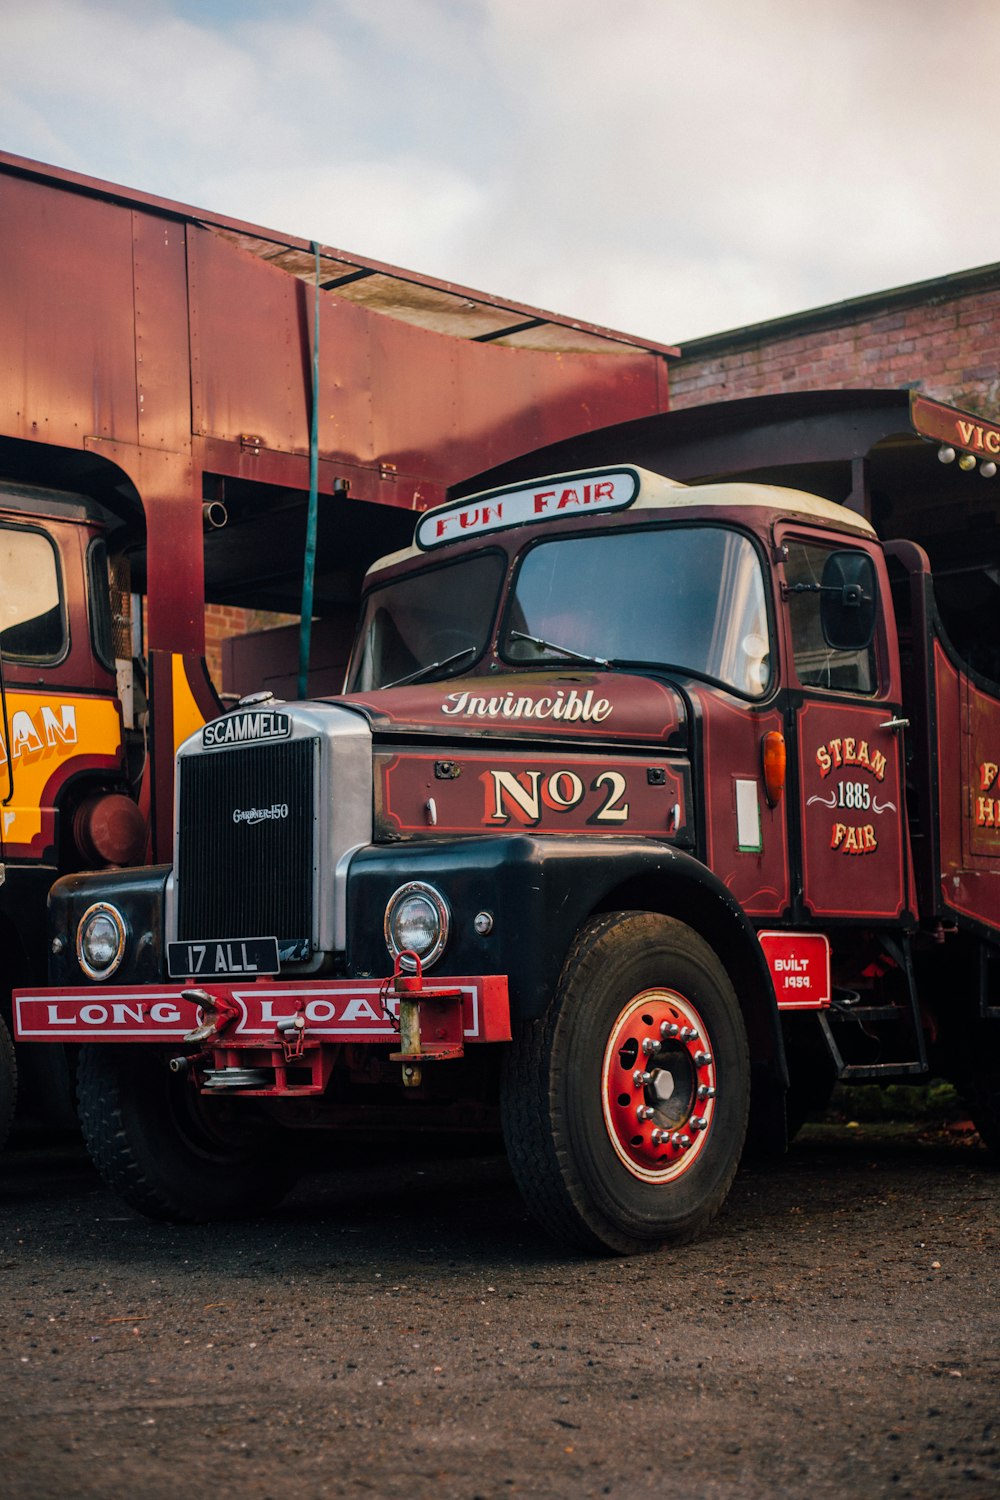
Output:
(433, 666)
(537, 640)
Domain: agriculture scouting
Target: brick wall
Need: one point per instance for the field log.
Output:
(224, 620)
(941, 337)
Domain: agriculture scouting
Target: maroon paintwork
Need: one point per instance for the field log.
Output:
(480, 792)
(613, 707)
(968, 754)
(732, 736)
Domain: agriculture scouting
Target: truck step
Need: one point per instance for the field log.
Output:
(874, 1046)
(869, 1013)
(859, 1072)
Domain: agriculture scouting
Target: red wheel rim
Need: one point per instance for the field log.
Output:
(658, 1085)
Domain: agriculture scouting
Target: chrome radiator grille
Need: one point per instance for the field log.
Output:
(246, 840)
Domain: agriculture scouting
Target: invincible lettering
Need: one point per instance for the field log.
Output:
(570, 707)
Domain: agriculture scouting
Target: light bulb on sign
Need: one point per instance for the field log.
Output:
(946, 455)
(988, 469)
(967, 462)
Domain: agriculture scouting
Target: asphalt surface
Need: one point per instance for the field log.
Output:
(399, 1328)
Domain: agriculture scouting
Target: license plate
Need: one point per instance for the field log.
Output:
(213, 957)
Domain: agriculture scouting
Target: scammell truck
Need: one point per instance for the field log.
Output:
(650, 811)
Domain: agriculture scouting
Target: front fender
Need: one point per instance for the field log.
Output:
(539, 891)
(138, 895)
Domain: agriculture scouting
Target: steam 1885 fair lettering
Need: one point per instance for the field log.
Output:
(852, 795)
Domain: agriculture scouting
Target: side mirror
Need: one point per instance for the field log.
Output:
(847, 601)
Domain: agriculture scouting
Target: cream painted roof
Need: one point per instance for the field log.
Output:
(657, 492)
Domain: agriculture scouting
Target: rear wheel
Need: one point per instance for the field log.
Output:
(8, 1083)
(625, 1106)
(982, 1090)
(167, 1151)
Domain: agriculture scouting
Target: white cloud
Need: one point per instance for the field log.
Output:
(668, 166)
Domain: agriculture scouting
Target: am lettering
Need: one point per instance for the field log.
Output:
(32, 738)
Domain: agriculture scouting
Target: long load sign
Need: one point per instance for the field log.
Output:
(343, 1010)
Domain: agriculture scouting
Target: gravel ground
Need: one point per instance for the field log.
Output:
(399, 1328)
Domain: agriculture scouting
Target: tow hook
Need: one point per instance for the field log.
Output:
(292, 1033)
(430, 1022)
(218, 1012)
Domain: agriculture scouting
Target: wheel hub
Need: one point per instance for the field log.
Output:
(658, 1085)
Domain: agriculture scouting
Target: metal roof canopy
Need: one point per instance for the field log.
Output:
(875, 451)
(424, 301)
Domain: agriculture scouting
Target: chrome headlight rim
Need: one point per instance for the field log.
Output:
(101, 909)
(442, 911)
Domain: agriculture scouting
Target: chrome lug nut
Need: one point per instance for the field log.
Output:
(704, 1092)
(684, 1142)
(702, 1059)
(650, 1046)
(668, 1030)
(644, 1112)
(697, 1123)
(640, 1079)
(659, 1137)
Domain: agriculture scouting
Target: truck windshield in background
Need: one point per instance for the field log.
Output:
(685, 597)
(434, 623)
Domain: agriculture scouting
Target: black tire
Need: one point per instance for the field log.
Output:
(167, 1151)
(592, 1179)
(8, 1083)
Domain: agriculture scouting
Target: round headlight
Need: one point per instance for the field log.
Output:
(100, 940)
(417, 918)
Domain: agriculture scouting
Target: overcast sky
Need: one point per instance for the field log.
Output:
(667, 167)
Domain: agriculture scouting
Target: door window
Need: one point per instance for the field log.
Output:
(32, 623)
(831, 598)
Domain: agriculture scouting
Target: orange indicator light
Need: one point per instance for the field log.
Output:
(774, 756)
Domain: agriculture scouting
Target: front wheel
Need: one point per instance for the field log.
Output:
(167, 1151)
(625, 1106)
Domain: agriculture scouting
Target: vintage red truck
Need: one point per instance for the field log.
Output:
(650, 809)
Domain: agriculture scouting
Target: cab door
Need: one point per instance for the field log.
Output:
(841, 669)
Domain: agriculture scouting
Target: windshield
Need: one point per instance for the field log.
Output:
(432, 624)
(685, 597)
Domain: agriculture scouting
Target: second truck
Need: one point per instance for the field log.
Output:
(650, 811)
